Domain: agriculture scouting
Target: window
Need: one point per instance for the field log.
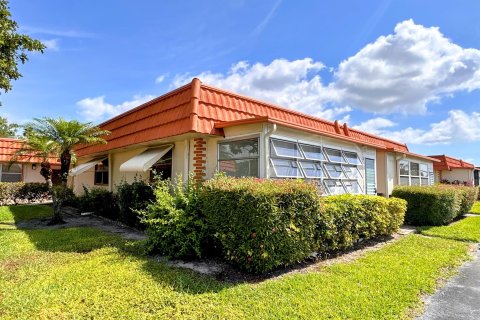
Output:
(352, 158)
(352, 186)
(352, 172)
(334, 155)
(239, 158)
(101, 173)
(313, 152)
(334, 187)
(285, 149)
(162, 169)
(285, 168)
(312, 169)
(335, 171)
(414, 173)
(11, 173)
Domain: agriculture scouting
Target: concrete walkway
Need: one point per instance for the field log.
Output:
(459, 299)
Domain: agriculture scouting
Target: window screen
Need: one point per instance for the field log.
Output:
(313, 152)
(352, 158)
(11, 173)
(287, 149)
(285, 168)
(334, 187)
(335, 171)
(239, 158)
(352, 186)
(101, 173)
(334, 155)
(312, 169)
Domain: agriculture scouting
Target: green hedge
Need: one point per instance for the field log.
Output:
(100, 201)
(21, 192)
(348, 218)
(435, 205)
(262, 224)
(132, 198)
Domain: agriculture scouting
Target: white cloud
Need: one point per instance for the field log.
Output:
(293, 84)
(96, 109)
(51, 44)
(375, 125)
(161, 78)
(259, 28)
(458, 126)
(404, 71)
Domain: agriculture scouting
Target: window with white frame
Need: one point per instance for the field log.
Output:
(239, 158)
(337, 170)
(414, 173)
(11, 172)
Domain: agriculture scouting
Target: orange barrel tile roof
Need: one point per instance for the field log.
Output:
(8, 148)
(199, 108)
(448, 163)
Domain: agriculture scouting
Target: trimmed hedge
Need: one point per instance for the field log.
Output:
(132, 198)
(435, 205)
(21, 192)
(100, 201)
(262, 224)
(348, 218)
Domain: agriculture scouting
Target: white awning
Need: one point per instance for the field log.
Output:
(144, 160)
(85, 166)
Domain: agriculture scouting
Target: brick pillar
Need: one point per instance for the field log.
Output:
(199, 158)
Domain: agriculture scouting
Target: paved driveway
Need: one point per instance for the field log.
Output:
(460, 298)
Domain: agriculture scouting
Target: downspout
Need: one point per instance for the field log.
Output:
(266, 144)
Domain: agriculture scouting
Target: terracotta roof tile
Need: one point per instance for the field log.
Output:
(448, 163)
(8, 148)
(200, 108)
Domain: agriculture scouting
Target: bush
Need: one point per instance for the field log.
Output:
(262, 224)
(100, 201)
(133, 198)
(435, 205)
(21, 192)
(348, 218)
(175, 224)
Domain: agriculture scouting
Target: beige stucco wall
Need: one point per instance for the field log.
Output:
(463, 175)
(30, 175)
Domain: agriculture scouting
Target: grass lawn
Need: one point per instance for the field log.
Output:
(467, 229)
(476, 208)
(87, 273)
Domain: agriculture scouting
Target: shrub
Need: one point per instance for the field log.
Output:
(348, 218)
(100, 201)
(435, 205)
(133, 198)
(262, 224)
(175, 224)
(21, 192)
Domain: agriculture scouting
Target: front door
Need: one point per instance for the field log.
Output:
(370, 185)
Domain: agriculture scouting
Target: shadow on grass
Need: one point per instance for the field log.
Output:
(83, 240)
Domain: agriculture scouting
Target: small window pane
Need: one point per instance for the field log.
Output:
(404, 168)
(286, 168)
(334, 187)
(14, 168)
(352, 172)
(101, 173)
(425, 182)
(238, 149)
(415, 181)
(335, 171)
(312, 169)
(414, 169)
(285, 149)
(334, 155)
(352, 158)
(11, 177)
(239, 168)
(404, 181)
(352, 186)
(313, 152)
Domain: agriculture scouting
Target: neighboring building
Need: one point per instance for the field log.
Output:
(476, 176)
(25, 169)
(451, 170)
(198, 129)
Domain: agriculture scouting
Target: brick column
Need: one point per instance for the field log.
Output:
(199, 158)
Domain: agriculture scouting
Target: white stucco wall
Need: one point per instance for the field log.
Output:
(463, 175)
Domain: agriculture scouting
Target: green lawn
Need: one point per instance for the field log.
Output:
(87, 273)
(467, 229)
(476, 208)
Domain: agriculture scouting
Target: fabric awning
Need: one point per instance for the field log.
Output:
(144, 160)
(85, 166)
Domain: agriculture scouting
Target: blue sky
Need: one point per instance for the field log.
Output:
(408, 70)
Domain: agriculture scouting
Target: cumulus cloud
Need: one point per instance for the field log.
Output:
(161, 78)
(458, 126)
(97, 109)
(294, 84)
(404, 71)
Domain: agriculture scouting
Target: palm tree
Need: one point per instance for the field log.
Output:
(60, 137)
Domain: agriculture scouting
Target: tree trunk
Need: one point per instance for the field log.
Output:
(58, 197)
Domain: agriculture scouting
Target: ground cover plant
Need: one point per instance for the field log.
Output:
(475, 208)
(87, 273)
